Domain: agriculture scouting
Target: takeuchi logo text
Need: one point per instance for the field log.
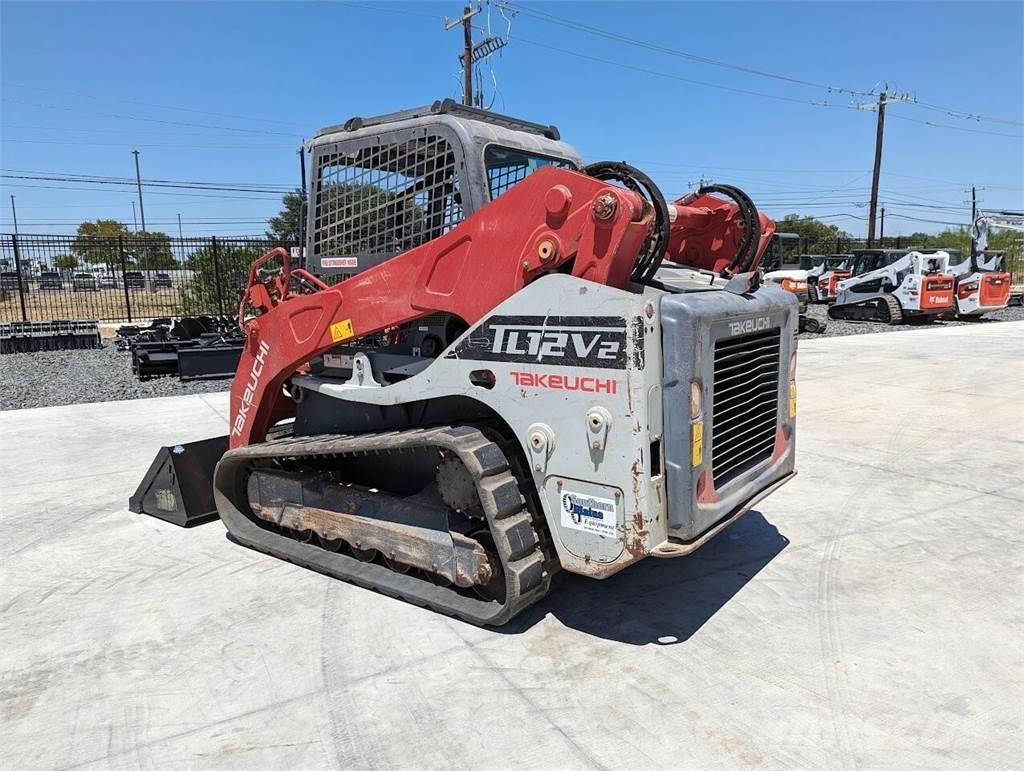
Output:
(556, 382)
(252, 383)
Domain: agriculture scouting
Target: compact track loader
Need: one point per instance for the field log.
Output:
(982, 282)
(824, 272)
(788, 272)
(894, 287)
(499, 363)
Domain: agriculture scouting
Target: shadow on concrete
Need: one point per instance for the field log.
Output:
(661, 601)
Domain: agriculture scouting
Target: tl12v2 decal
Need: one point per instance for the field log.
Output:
(570, 341)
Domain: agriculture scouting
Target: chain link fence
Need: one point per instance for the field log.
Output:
(125, 278)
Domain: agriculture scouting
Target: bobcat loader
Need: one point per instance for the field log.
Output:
(982, 282)
(893, 287)
(824, 274)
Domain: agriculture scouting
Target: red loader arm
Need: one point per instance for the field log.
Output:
(555, 219)
(707, 232)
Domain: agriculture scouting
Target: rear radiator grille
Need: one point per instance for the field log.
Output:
(745, 398)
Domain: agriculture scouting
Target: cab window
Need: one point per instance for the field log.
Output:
(505, 166)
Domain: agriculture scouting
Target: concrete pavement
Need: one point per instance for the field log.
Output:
(866, 616)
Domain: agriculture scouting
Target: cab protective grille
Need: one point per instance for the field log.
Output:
(745, 403)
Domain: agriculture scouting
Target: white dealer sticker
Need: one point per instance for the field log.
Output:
(340, 262)
(590, 514)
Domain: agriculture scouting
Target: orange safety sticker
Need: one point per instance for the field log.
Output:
(342, 331)
(697, 443)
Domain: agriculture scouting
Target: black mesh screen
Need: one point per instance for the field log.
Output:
(385, 199)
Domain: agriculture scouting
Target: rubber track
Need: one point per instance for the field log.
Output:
(895, 310)
(511, 523)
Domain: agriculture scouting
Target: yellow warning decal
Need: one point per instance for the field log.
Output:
(792, 400)
(342, 331)
(697, 443)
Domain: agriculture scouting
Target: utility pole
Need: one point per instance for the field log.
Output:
(879, 132)
(881, 233)
(884, 98)
(14, 214)
(138, 184)
(180, 236)
(467, 54)
(974, 215)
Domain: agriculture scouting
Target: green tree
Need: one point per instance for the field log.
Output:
(96, 242)
(810, 229)
(150, 251)
(65, 262)
(286, 225)
(231, 270)
(998, 240)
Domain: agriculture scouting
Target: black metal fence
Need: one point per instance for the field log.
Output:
(124, 278)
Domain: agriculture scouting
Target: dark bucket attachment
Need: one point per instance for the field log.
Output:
(179, 484)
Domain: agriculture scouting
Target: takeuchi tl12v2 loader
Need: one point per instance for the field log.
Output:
(893, 287)
(526, 365)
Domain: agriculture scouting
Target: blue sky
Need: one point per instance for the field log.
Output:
(224, 92)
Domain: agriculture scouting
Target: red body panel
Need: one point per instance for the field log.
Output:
(937, 293)
(834, 279)
(994, 290)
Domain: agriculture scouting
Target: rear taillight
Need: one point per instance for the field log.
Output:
(696, 399)
(966, 290)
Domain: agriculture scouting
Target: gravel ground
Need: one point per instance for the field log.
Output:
(835, 328)
(49, 378)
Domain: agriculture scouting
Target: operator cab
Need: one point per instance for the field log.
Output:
(387, 184)
(867, 260)
(826, 261)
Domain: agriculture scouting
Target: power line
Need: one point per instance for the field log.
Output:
(146, 183)
(579, 26)
(93, 96)
(77, 176)
(154, 120)
(135, 132)
(148, 146)
(966, 115)
(647, 71)
(957, 128)
(933, 222)
(131, 192)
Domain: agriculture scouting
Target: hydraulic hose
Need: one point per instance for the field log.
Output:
(653, 252)
(746, 254)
